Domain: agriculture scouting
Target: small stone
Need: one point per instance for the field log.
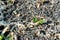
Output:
(43, 32)
(38, 5)
(28, 29)
(1, 27)
(26, 39)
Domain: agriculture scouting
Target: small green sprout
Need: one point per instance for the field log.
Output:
(41, 21)
(10, 37)
(35, 19)
(1, 37)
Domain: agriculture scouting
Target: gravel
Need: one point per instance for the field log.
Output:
(17, 17)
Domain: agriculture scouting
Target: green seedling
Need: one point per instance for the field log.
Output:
(10, 37)
(1, 37)
(35, 19)
(41, 21)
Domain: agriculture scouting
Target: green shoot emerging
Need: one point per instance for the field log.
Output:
(35, 19)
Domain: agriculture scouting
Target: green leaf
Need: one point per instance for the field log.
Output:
(10, 37)
(35, 19)
(41, 21)
(1, 37)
